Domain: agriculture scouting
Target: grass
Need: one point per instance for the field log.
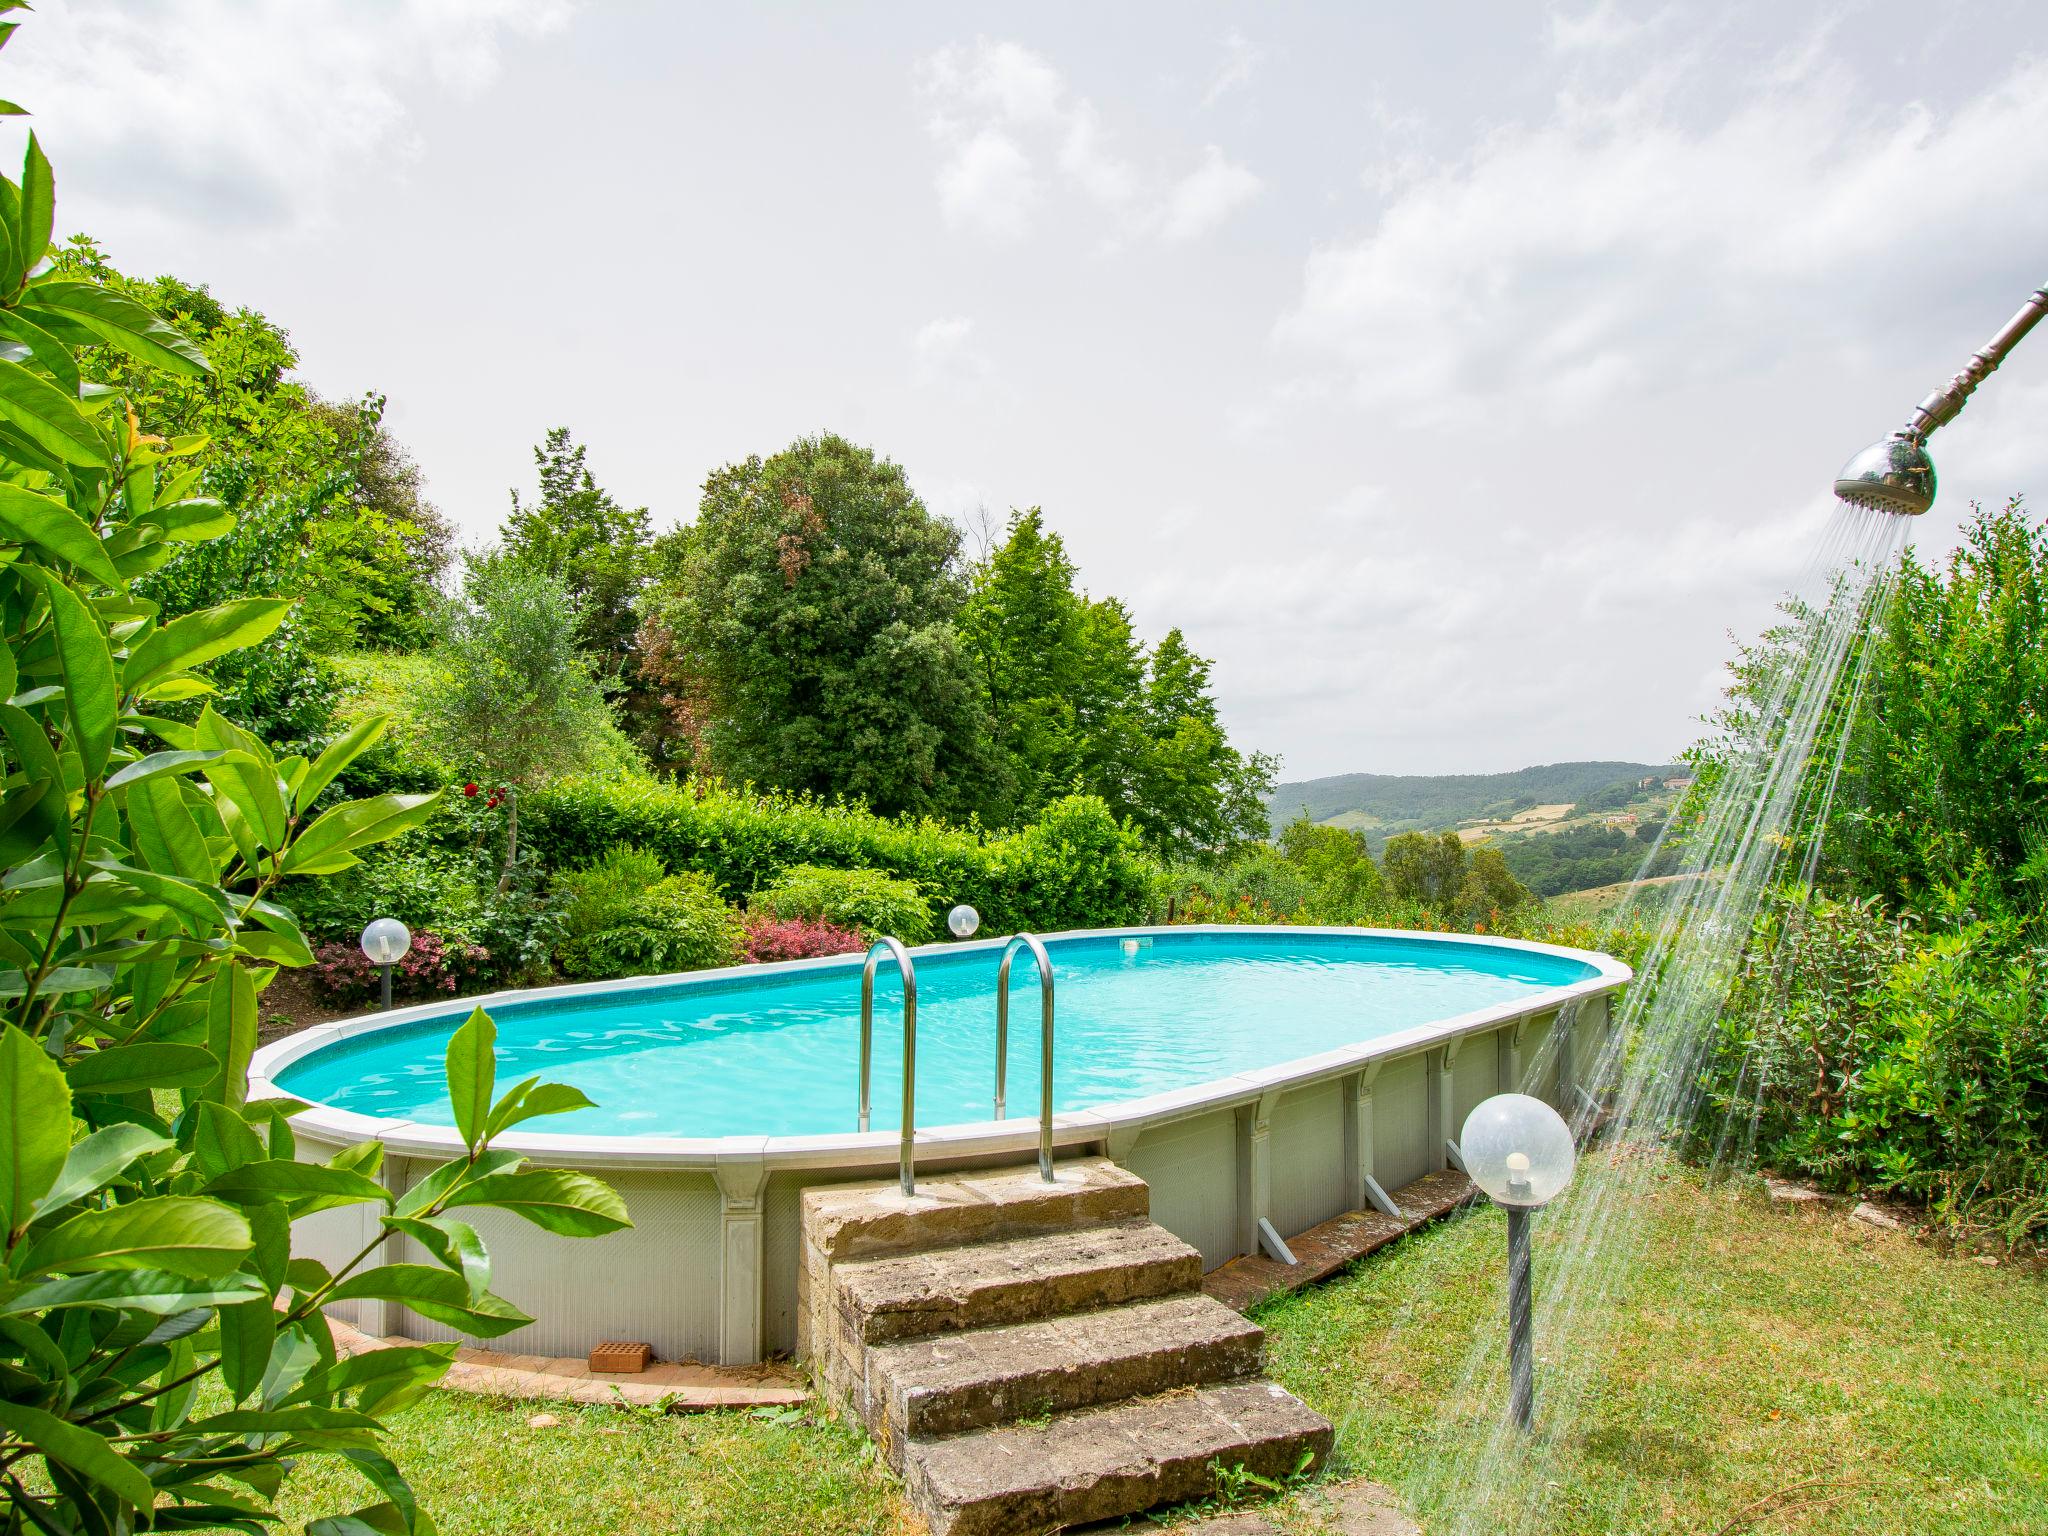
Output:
(479, 1467)
(1779, 1370)
(1766, 1347)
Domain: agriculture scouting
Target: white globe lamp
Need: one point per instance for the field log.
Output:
(1519, 1150)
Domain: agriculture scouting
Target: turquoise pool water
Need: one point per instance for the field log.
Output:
(777, 1053)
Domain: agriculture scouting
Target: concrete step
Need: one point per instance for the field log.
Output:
(1104, 1463)
(851, 1221)
(1013, 1280)
(953, 1382)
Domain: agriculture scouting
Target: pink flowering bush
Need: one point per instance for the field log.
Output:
(433, 965)
(768, 937)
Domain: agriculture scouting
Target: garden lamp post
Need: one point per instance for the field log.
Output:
(386, 941)
(1520, 1151)
(963, 921)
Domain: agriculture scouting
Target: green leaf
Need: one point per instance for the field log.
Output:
(90, 697)
(222, 1140)
(37, 210)
(198, 638)
(247, 1332)
(382, 1379)
(288, 949)
(231, 1033)
(81, 1450)
(179, 1233)
(98, 1158)
(532, 1099)
(166, 833)
(454, 1243)
(27, 517)
(50, 419)
(120, 322)
(46, 349)
(157, 764)
(355, 824)
(337, 755)
(573, 1204)
(145, 1065)
(57, 981)
(437, 1294)
(35, 1126)
(250, 787)
(321, 1186)
(472, 1074)
(191, 521)
(371, 1520)
(423, 1195)
(137, 1290)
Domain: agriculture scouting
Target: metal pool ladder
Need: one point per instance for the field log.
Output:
(905, 1173)
(1028, 941)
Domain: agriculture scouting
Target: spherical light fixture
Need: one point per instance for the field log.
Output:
(386, 941)
(962, 921)
(1519, 1150)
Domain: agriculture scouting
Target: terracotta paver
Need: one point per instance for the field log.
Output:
(1324, 1249)
(684, 1386)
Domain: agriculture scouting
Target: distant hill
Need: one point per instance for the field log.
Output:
(1382, 804)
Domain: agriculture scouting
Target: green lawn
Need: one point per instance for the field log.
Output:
(1766, 1347)
(1780, 1370)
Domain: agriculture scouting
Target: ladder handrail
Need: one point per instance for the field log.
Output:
(905, 1172)
(1045, 1010)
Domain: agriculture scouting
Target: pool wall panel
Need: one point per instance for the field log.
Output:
(1309, 1180)
(1402, 1152)
(1191, 1165)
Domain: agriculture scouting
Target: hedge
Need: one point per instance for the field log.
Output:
(1075, 867)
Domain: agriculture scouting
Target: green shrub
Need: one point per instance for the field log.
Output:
(622, 916)
(1878, 1056)
(1077, 866)
(865, 899)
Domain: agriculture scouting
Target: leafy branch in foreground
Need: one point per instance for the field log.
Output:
(162, 1355)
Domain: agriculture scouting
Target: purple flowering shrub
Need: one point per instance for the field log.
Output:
(433, 965)
(796, 938)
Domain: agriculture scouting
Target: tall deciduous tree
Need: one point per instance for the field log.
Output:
(515, 699)
(1079, 703)
(812, 621)
(578, 532)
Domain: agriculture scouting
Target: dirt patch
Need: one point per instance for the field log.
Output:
(293, 1002)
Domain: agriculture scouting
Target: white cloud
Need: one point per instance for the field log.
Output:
(1240, 61)
(1615, 244)
(1010, 130)
(249, 115)
(1207, 196)
(987, 185)
(943, 352)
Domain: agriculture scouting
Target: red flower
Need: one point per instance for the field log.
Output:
(470, 790)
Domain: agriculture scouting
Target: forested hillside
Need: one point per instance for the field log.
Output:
(1386, 803)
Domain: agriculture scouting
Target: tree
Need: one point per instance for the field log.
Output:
(163, 1355)
(1080, 704)
(327, 507)
(1490, 891)
(1425, 868)
(1337, 860)
(579, 534)
(812, 622)
(515, 699)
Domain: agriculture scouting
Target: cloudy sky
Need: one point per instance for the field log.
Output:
(1456, 376)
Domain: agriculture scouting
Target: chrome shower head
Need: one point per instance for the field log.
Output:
(1895, 475)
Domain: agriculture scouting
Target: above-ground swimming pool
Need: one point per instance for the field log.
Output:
(1246, 1073)
(773, 1052)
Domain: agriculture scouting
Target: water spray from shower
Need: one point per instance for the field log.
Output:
(1896, 475)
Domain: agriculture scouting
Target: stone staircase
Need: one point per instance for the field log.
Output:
(1029, 1355)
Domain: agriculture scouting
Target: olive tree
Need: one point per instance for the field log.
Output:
(163, 1354)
